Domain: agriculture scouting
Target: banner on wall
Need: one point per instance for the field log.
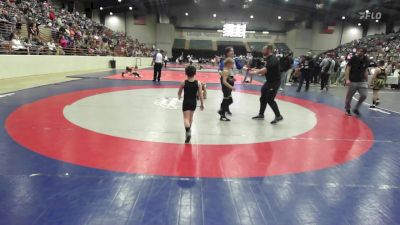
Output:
(206, 34)
(328, 28)
(139, 20)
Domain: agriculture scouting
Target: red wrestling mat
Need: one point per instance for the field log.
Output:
(52, 135)
(178, 76)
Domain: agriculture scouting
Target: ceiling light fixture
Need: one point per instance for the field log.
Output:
(251, 17)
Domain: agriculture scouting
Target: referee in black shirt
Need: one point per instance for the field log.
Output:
(271, 86)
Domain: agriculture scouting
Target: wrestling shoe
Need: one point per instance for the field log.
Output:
(277, 120)
(355, 111)
(259, 117)
(188, 137)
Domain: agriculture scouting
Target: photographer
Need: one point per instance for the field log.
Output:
(286, 63)
(255, 61)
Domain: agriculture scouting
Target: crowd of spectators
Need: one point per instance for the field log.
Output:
(379, 47)
(71, 33)
(384, 47)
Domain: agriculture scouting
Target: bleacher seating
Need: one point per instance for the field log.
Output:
(380, 47)
(82, 35)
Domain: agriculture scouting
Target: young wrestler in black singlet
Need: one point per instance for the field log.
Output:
(227, 83)
(191, 88)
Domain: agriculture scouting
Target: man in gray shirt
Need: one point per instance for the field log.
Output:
(327, 68)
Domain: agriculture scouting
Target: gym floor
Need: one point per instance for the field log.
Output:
(99, 149)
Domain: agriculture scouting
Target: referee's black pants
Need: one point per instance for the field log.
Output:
(268, 94)
(157, 71)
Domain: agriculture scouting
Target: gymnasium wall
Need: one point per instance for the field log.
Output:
(28, 65)
(96, 15)
(200, 21)
(301, 40)
(396, 26)
(165, 37)
(123, 22)
(376, 28)
(116, 22)
(144, 33)
(213, 35)
(351, 33)
(322, 41)
(80, 6)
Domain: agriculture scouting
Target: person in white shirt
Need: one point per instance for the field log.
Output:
(165, 60)
(342, 69)
(16, 43)
(158, 64)
(51, 46)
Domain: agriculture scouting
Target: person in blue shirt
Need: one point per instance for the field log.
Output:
(230, 53)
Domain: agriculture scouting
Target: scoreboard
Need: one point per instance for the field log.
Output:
(233, 30)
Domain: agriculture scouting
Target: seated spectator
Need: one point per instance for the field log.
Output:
(37, 45)
(60, 51)
(18, 25)
(28, 45)
(52, 16)
(63, 42)
(397, 71)
(16, 43)
(51, 46)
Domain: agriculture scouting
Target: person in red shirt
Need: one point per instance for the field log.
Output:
(63, 42)
(52, 15)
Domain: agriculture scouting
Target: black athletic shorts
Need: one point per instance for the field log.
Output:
(190, 105)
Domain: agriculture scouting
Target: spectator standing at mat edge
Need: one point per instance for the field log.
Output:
(327, 68)
(304, 66)
(158, 64)
(286, 63)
